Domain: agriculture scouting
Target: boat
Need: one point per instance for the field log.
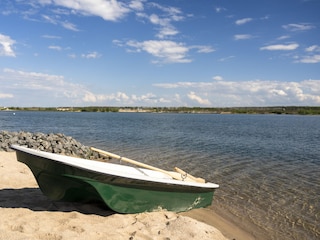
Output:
(123, 188)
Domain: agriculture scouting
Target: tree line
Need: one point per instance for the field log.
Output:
(300, 110)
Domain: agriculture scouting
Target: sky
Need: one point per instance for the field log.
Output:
(168, 53)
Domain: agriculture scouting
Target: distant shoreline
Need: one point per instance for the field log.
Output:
(294, 110)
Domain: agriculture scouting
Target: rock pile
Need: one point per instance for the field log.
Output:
(54, 143)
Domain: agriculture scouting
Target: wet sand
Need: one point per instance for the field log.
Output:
(27, 214)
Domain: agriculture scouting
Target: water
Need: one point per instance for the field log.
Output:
(267, 165)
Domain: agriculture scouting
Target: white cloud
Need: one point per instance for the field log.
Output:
(69, 26)
(89, 97)
(49, 19)
(118, 97)
(217, 78)
(167, 85)
(44, 1)
(293, 27)
(164, 50)
(283, 37)
(110, 10)
(313, 48)
(220, 9)
(171, 11)
(34, 80)
(311, 56)
(226, 58)
(164, 20)
(51, 37)
(145, 98)
(310, 59)
(167, 31)
(72, 55)
(198, 99)
(166, 28)
(281, 47)
(155, 19)
(46, 87)
(6, 44)
(113, 10)
(137, 5)
(90, 55)
(184, 85)
(243, 21)
(5, 95)
(242, 36)
(278, 92)
(123, 99)
(248, 93)
(203, 49)
(58, 48)
(56, 21)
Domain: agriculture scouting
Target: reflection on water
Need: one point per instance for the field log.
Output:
(267, 166)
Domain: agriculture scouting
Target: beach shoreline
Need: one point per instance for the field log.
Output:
(28, 213)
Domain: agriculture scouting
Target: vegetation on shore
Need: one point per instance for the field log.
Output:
(300, 110)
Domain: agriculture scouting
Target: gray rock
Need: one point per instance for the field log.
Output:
(52, 142)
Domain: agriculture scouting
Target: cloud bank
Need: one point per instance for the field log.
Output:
(216, 93)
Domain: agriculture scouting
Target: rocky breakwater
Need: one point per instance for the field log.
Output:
(52, 142)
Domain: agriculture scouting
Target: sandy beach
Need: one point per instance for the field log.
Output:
(27, 214)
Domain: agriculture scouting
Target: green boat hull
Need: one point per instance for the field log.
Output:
(63, 182)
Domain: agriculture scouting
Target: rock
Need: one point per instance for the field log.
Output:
(54, 143)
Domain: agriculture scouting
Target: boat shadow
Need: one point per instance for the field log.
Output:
(33, 199)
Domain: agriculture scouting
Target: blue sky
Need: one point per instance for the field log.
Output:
(195, 53)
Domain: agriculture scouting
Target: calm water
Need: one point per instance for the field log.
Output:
(268, 166)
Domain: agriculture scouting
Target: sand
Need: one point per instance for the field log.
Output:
(27, 214)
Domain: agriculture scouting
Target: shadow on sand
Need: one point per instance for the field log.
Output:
(33, 199)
